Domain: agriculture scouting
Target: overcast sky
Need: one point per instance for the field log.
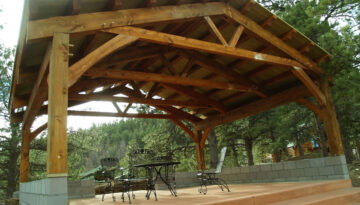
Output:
(10, 18)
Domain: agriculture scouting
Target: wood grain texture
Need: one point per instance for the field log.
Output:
(45, 28)
(80, 67)
(57, 107)
(271, 38)
(162, 78)
(203, 46)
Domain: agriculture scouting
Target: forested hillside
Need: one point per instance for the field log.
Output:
(333, 24)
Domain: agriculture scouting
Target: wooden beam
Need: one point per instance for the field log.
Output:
(271, 39)
(45, 28)
(200, 157)
(25, 151)
(128, 108)
(197, 96)
(147, 101)
(313, 88)
(108, 114)
(215, 30)
(19, 55)
(236, 36)
(57, 164)
(80, 67)
(162, 78)
(269, 21)
(184, 115)
(205, 136)
(313, 107)
(203, 46)
(36, 132)
(74, 7)
(185, 128)
(262, 105)
(330, 121)
(133, 54)
(116, 107)
(225, 72)
(246, 8)
(114, 5)
(39, 92)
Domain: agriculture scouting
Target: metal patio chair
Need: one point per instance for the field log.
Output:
(109, 166)
(208, 177)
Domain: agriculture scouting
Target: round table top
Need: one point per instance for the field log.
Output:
(153, 164)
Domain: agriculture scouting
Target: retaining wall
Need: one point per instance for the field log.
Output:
(81, 189)
(328, 168)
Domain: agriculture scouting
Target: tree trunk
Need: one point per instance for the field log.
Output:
(357, 142)
(298, 144)
(236, 156)
(213, 147)
(322, 136)
(249, 151)
(12, 174)
(13, 168)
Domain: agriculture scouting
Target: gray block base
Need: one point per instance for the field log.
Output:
(328, 168)
(52, 191)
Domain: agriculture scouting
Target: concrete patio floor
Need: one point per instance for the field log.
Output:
(240, 194)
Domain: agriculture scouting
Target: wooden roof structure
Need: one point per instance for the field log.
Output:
(206, 62)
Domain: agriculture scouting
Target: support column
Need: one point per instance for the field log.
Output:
(330, 121)
(25, 151)
(57, 108)
(200, 145)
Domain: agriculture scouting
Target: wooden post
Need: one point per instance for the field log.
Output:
(200, 145)
(200, 157)
(25, 150)
(330, 121)
(57, 108)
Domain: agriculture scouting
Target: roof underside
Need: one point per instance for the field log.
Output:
(151, 57)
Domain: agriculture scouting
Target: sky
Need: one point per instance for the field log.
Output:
(10, 19)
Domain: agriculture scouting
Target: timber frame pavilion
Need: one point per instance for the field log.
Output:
(205, 62)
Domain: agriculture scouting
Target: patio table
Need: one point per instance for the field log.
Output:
(157, 167)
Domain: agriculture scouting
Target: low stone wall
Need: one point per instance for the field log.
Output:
(328, 168)
(52, 191)
(81, 189)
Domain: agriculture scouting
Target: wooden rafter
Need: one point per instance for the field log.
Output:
(80, 67)
(271, 39)
(215, 30)
(45, 28)
(197, 96)
(132, 54)
(313, 107)
(309, 83)
(184, 115)
(39, 92)
(162, 78)
(36, 132)
(116, 106)
(223, 71)
(203, 46)
(236, 36)
(147, 101)
(262, 105)
(74, 7)
(127, 115)
(185, 128)
(114, 5)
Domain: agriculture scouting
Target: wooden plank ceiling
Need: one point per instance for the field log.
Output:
(189, 68)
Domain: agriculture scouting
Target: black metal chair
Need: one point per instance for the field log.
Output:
(209, 177)
(136, 178)
(108, 168)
